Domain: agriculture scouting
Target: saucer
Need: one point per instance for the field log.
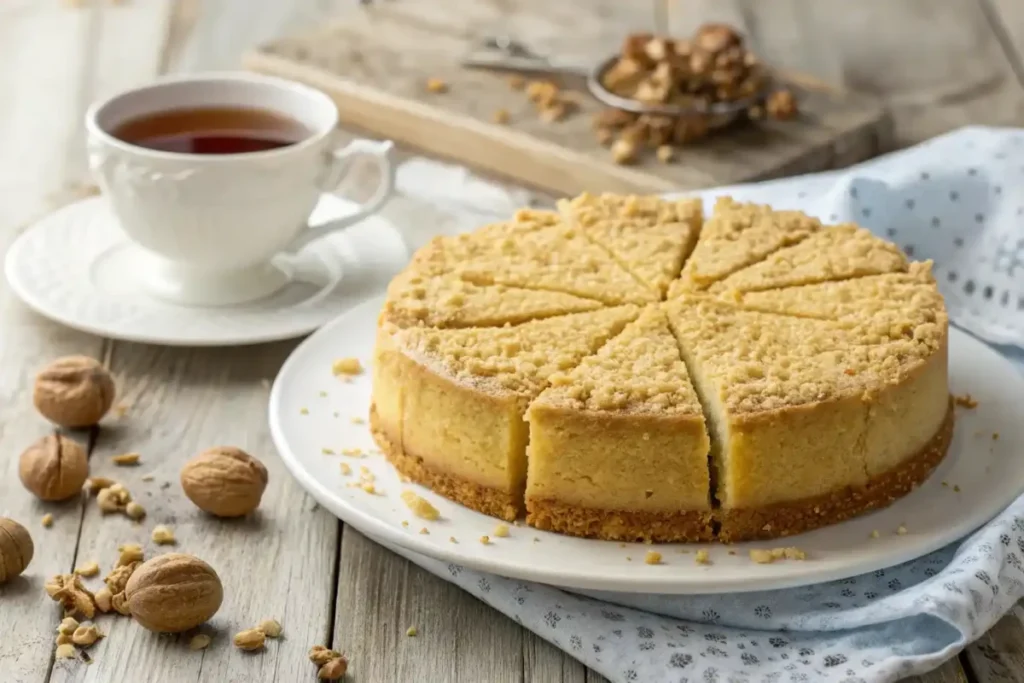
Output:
(77, 267)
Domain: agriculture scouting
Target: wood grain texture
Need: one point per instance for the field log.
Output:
(950, 672)
(998, 656)
(278, 563)
(459, 639)
(377, 60)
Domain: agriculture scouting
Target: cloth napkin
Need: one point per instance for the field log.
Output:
(957, 199)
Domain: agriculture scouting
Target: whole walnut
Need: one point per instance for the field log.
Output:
(74, 391)
(224, 481)
(54, 468)
(173, 593)
(16, 549)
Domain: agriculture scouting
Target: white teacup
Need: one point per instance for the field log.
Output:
(213, 222)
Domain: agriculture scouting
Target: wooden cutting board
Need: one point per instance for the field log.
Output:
(375, 63)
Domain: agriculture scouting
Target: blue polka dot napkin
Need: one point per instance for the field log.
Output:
(958, 200)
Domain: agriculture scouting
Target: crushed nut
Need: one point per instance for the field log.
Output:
(357, 420)
(956, 488)
(875, 534)
(67, 626)
(347, 366)
(114, 498)
(270, 627)
(66, 651)
(420, 506)
(86, 635)
(436, 85)
(333, 670)
(250, 640)
(148, 477)
(162, 535)
(451, 539)
(63, 638)
(135, 511)
(88, 569)
(47, 520)
(781, 105)
(200, 641)
(411, 631)
(104, 600)
(624, 151)
(96, 484)
(652, 557)
(320, 655)
(67, 589)
(126, 459)
(129, 554)
(368, 487)
(352, 451)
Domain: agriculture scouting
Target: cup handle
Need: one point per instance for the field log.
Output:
(337, 165)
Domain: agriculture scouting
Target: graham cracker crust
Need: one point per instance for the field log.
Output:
(787, 519)
(620, 525)
(493, 502)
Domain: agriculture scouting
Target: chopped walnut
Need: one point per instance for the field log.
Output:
(88, 569)
(67, 589)
(781, 105)
(125, 459)
(47, 520)
(200, 641)
(623, 151)
(162, 535)
(134, 511)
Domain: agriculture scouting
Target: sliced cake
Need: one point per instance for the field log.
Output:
(834, 253)
(649, 236)
(618, 446)
(736, 236)
(462, 394)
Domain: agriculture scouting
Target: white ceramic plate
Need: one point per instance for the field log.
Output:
(311, 410)
(76, 266)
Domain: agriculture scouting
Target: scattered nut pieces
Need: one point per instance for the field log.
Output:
(358, 452)
(94, 485)
(162, 535)
(875, 534)
(500, 116)
(88, 569)
(67, 589)
(320, 655)
(67, 626)
(624, 151)
(73, 391)
(129, 553)
(436, 85)
(781, 105)
(200, 641)
(126, 459)
(135, 511)
(333, 670)
(47, 520)
(54, 468)
(85, 635)
(250, 640)
(411, 631)
(347, 366)
(173, 593)
(420, 506)
(16, 549)
(270, 627)
(62, 638)
(224, 481)
(702, 557)
(965, 401)
(66, 651)
(501, 531)
(104, 600)
(114, 498)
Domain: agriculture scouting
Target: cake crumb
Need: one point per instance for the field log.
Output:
(346, 469)
(356, 420)
(420, 506)
(411, 631)
(327, 451)
(732, 552)
(702, 557)
(405, 522)
(875, 534)
(902, 530)
(956, 488)
(436, 85)
(501, 531)
(995, 436)
(126, 459)
(352, 451)
(424, 531)
(652, 557)
(451, 539)
(323, 394)
(761, 556)
(88, 569)
(965, 401)
(303, 411)
(368, 487)
(347, 366)
(501, 116)
(148, 477)
(47, 520)
(485, 540)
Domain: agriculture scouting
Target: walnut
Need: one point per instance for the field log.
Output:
(613, 119)
(74, 391)
(54, 468)
(67, 589)
(16, 549)
(716, 37)
(224, 481)
(320, 655)
(250, 640)
(333, 670)
(85, 635)
(270, 627)
(173, 593)
(781, 105)
(624, 151)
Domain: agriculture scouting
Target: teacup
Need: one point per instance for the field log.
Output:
(211, 223)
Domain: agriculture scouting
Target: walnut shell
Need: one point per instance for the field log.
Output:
(224, 481)
(16, 549)
(173, 593)
(74, 391)
(54, 468)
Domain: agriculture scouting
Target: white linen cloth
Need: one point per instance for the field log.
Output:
(957, 199)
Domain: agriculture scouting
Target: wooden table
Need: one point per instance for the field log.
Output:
(940, 65)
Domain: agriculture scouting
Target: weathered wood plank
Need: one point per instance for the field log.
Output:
(42, 44)
(459, 639)
(998, 656)
(545, 663)
(278, 564)
(1007, 17)
(950, 672)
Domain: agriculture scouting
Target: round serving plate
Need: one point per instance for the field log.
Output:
(315, 416)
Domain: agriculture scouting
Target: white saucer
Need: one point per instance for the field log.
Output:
(77, 267)
(311, 410)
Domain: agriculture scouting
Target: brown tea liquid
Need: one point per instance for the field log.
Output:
(212, 130)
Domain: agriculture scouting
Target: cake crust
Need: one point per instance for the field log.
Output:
(620, 525)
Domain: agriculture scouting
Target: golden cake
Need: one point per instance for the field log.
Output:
(624, 369)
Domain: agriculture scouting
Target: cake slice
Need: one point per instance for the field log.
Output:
(537, 250)
(835, 253)
(461, 398)
(649, 236)
(447, 300)
(807, 417)
(618, 447)
(736, 236)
